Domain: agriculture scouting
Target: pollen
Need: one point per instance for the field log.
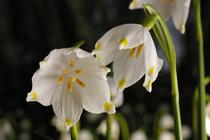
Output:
(71, 63)
(140, 47)
(123, 42)
(60, 79)
(121, 83)
(78, 71)
(34, 95)
(108, 106)
(152, 70)
(68, 122)
(82, 84)
(132, 52)
(97, 46)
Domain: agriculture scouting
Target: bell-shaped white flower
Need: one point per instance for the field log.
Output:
(116, 96)
(132, 50)
(178, 10)
(139, 135)
(166, 122)
(71, 79)
(166, 135)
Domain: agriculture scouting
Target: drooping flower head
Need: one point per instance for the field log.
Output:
(71, 79)
(133, 53)
(178, 10)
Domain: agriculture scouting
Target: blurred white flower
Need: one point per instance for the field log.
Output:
(186, 132)
(138, 135)
(85, 134)
(6, 130)
(115, 129)
(166, 135)
(167, 121)
(116, 96)
(71, 79)
(131, 49)
(178, 10)
(208, 119)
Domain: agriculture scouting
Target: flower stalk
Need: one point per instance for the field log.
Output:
(74, 132)
(163, 35)
(123, 126)
(109, 127)
(201, 69)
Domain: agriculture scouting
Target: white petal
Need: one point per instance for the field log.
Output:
(121, 37)
(180, 14)
(67, 106)
(43, 88)
(128, 70)
(116, 97)
(166, 135)
(164, 7)
(95, 91)
(54, 63)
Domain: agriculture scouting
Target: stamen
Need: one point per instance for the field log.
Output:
(70, 85)
(80, 83)
(66, 71)
(78, 71)
(123, 42)
(132, 51)
(140, 47)
(60, 79)
(71, 63)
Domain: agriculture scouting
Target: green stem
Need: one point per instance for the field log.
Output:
(109, 127)
(123, 126)
(74, 133)
(195, 115)
(167, 45)
(201, 69)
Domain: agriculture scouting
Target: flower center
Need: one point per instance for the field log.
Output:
(71, 75)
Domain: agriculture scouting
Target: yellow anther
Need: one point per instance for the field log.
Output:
(34, 95)
(78, 71)
(122, 83)
(140, 47)
(97, 46)
(68, 122)
(60, 79)
(82, 84)
(108, 106)
(71, 63)
(132, 52)
(70, 85)
(152, 70)
(123, 42)
(66, 71)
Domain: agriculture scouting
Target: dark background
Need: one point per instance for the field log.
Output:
(30, 29)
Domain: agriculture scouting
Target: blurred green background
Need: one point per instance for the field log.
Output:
(30, 29)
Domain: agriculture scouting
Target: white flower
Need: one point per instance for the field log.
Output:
(85, 134)
(71, 79)
(178, 10)
(116, 96)
(132, 50)
(115, 129)
(167, 122)
(166, 135)
(138, 135)
(208, 119)
(186, 132)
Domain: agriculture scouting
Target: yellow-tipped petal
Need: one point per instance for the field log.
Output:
(123, 42)
(34, 95)
(68, 122)
(108, 106)
(122, 83)
(152, 70)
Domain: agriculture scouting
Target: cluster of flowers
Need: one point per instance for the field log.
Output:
(71, 79)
